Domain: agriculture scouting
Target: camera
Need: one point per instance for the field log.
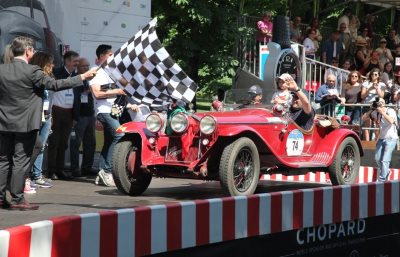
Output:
(376, 103)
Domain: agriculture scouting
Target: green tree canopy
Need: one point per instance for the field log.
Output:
(201, 35)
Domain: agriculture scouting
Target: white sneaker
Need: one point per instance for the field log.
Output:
(107, 178)
(96, 180)
(28, 189)
(41, 182)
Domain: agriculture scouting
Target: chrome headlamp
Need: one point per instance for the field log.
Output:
(154, 122)
(208, 125)
(179, 123)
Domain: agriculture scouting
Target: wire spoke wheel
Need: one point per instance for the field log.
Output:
(239, 167)
(346, 164)
(128, 176)
(243, 170)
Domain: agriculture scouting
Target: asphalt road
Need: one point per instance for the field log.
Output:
(83, 196)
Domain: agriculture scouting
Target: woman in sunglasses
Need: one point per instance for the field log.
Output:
(352, 93)
(371, 89)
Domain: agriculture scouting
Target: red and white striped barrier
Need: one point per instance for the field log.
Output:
(366, 175)
(155, 229)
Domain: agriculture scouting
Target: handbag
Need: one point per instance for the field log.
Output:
(118, 107)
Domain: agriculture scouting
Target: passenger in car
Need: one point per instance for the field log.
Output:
(300, 110)
(255, 94)
(282, 95)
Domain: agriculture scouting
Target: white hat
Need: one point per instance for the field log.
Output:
(285, 76)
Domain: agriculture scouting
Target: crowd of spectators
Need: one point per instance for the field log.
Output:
(360, 64)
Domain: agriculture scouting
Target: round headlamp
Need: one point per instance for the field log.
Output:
(179, 123)
(154, 122)
(207, 125)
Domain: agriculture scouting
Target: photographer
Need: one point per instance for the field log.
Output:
(387, 120)
(371, 89)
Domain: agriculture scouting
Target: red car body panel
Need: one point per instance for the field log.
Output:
(267, 130)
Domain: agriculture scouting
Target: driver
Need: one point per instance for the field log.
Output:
(255, 94)
(300, 110)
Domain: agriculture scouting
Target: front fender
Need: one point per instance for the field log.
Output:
(332, 141)
(138, 132)
(131, 127)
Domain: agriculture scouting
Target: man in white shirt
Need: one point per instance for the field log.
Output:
(62, 108)
(309, 43)
(388, 137)
(105, 93)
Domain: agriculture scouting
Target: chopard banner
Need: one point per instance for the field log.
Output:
(371, 237)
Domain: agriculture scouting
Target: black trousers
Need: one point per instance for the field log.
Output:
(85, 131)
(58, 140)
(15, 161)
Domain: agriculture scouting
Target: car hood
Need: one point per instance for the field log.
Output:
(247, 115)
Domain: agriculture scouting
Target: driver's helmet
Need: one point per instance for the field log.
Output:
(254, 90)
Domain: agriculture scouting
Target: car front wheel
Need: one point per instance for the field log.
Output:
(345, 167)
(128, 176)
(239, 167)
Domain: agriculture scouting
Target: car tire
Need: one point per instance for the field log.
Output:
(345, 167)
(128, 182)
(238, 178)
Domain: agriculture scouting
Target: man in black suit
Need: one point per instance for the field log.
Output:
(61, 111)
(21, 91)
(85, 127)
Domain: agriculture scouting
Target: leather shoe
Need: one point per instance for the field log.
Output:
(77, 174)
(64, 175)
(4, 204)
(23, 206)
(89, 171)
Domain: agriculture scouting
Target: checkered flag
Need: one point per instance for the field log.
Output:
(146, 71)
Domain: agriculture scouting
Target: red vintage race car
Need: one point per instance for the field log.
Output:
(235, 147)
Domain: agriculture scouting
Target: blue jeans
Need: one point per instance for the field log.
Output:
(354, 114)
(383, 156)
(111, 137)
(43, 135)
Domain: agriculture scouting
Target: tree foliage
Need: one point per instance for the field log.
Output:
(201, 35)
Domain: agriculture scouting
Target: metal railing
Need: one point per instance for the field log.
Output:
(338, 110)
(313, 71)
